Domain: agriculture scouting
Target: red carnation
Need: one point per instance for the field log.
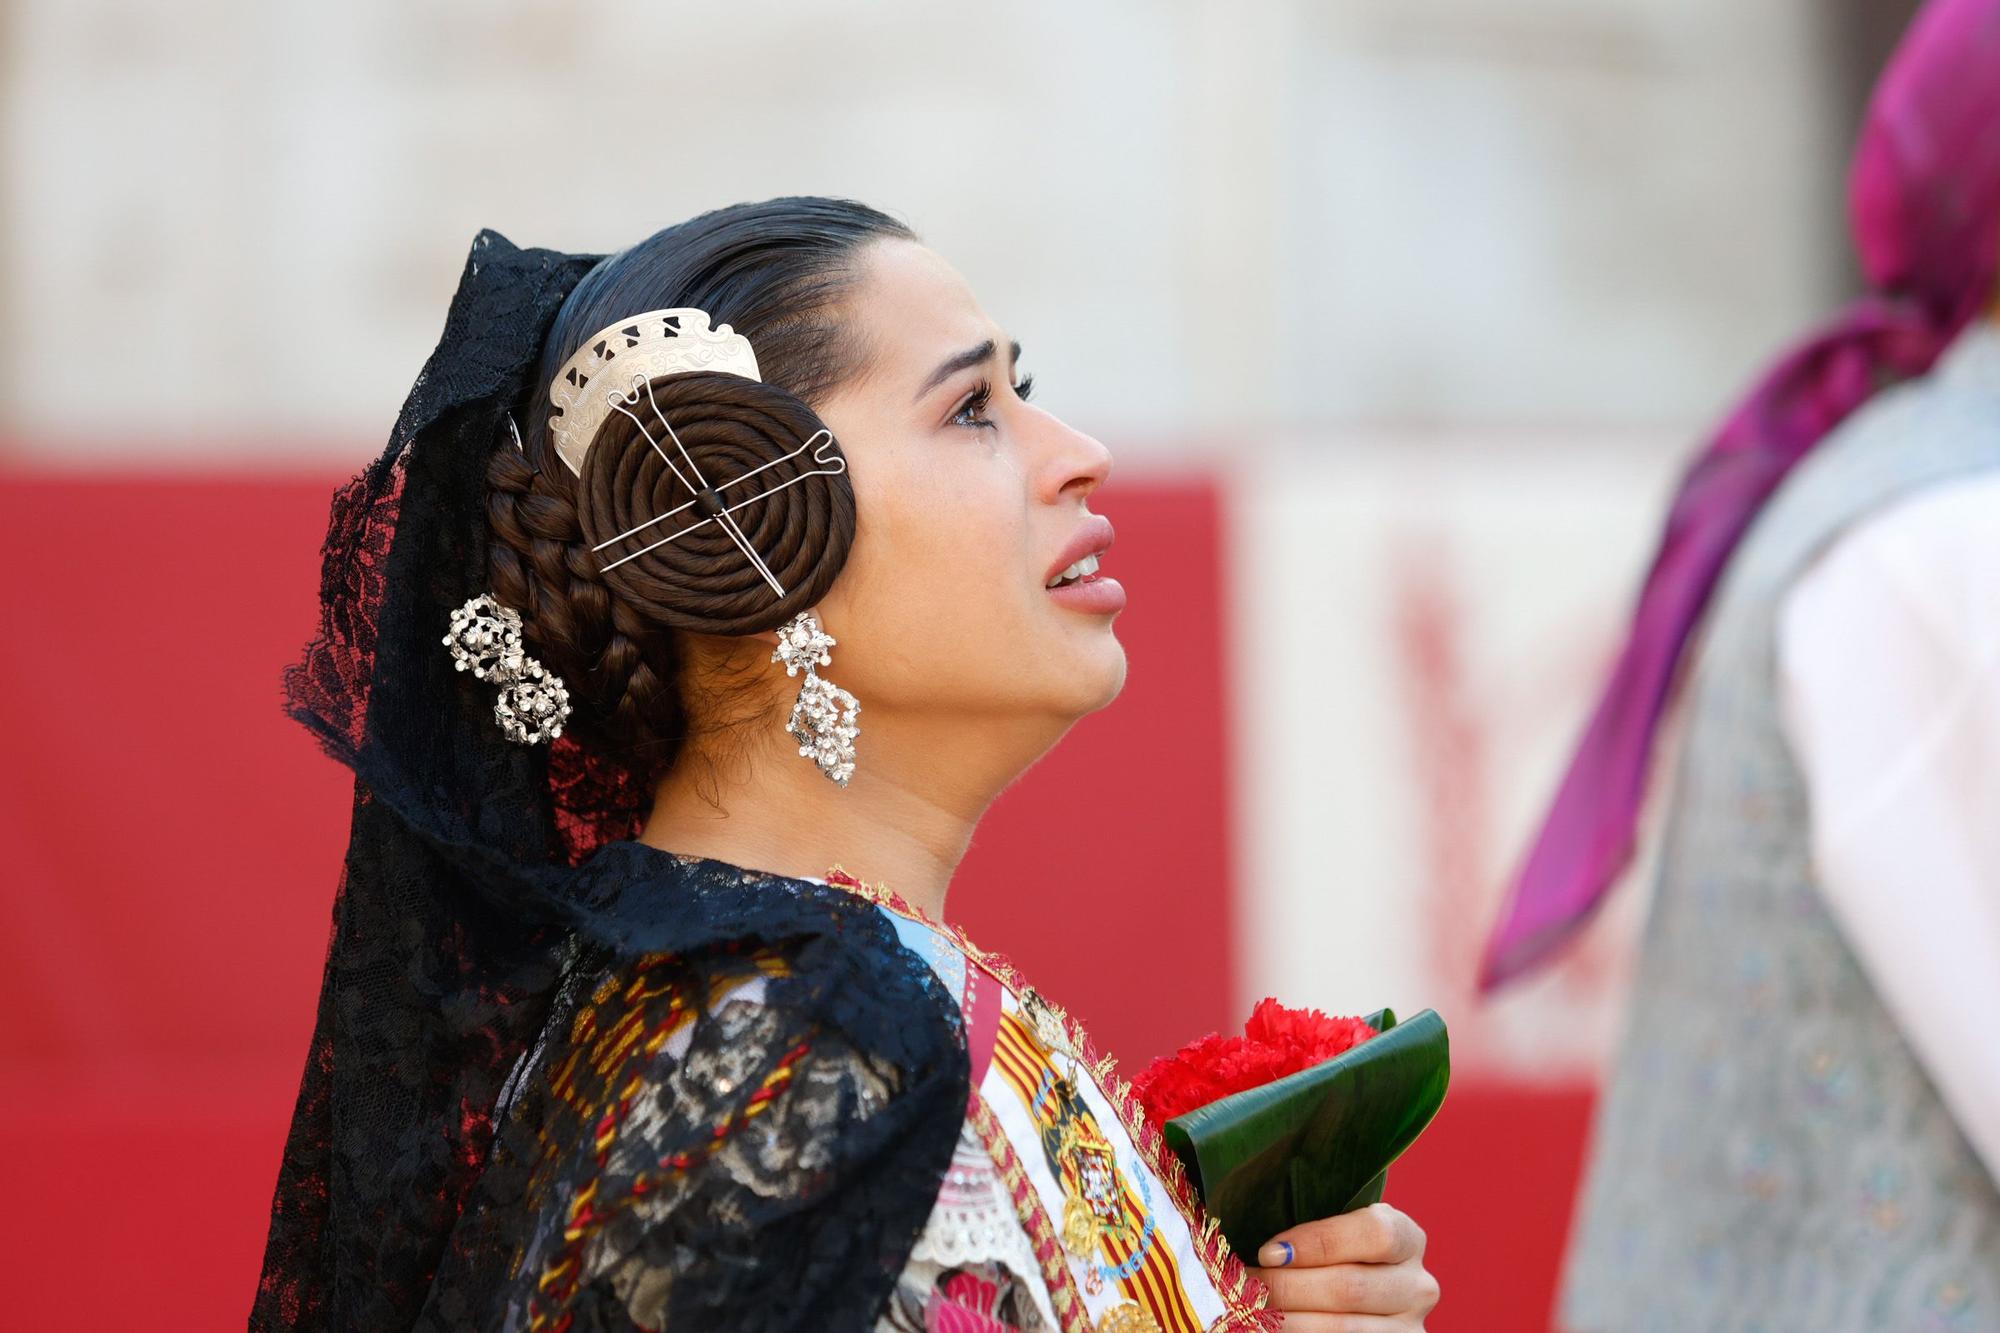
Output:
(1276, 1041)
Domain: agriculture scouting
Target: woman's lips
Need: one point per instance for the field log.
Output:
(1093, 593)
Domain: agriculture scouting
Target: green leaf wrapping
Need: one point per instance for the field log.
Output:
(1318, 1142)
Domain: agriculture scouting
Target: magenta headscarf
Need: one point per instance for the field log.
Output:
(1925, 197)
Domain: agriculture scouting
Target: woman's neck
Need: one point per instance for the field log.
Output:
(904, 819)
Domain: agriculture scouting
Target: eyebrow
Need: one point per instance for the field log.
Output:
(970, 357)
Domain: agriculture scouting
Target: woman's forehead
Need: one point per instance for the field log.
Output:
(915, 309)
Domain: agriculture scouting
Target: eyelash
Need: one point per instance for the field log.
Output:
(981, 397)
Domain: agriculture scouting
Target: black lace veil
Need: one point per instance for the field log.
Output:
(443, 926)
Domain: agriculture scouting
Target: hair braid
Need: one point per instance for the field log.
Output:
(620, 667)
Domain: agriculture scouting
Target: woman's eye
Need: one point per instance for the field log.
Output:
(972, 412)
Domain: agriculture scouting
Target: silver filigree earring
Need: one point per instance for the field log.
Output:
(485, 639)
(823, 718)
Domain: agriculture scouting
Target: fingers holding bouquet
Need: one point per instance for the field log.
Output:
(1362, 1270)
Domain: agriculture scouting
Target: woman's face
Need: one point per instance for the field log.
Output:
(969, 500)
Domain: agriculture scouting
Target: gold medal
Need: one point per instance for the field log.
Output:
(1127, 1318)
(1080, 1229)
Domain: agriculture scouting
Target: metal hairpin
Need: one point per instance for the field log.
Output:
(708, 498)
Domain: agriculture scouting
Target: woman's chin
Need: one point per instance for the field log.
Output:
(1095, 676)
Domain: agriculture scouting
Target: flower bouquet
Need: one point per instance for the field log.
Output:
(1300, 1117)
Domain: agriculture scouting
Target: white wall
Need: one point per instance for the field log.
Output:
(231, 226)
(1420, 627)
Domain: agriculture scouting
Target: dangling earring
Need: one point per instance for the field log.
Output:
(823, 718)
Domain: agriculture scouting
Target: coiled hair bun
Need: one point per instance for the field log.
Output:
(802, 527)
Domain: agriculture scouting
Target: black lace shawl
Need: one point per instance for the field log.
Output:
(492, 905)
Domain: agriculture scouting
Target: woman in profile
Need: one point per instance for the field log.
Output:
(705, 597)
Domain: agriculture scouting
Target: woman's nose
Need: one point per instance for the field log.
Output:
(1074, 461)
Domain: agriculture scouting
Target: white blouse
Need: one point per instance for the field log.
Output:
(1889, 681)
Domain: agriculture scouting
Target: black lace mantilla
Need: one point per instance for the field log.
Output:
(492, 899)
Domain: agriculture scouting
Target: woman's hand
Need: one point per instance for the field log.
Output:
(1361, 1272)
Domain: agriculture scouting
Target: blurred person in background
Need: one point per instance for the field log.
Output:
(637, 1012)
(1803, 1127)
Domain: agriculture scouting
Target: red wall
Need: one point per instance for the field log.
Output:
(173, 841)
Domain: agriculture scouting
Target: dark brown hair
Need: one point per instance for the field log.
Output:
(777, 272)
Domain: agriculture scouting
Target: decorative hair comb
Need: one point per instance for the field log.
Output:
(629, 353)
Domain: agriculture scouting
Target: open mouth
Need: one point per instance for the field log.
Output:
(1077, 573)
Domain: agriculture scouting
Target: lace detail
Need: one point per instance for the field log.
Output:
(973, 1220)
(440, 964)
(594, 802)
(327, 688)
